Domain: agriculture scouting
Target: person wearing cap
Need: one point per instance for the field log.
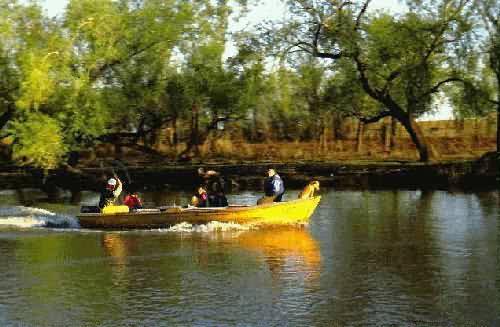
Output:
(111, 192)
(274, 188)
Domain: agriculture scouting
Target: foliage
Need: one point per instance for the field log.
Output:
(38, 141)
(401, 62)
(120, 71)
(479, 94)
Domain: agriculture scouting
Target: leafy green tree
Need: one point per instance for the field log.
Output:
(400, 61)
(26, 52)
(38, 141)
(479, 92)
(213, 88)
(80, 72)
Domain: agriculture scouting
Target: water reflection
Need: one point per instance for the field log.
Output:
(278, 246)
(398, 256)
(118, 248)
(285, 246)
(368, 258)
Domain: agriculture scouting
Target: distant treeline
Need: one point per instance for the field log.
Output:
(126, 72)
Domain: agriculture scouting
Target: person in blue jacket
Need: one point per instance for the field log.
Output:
(274, 188)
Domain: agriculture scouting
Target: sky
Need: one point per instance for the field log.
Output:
(274, 10)
(269, 9)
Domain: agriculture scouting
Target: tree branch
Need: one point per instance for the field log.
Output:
(316, 52)
(95, 74)
(436, 87)
(364, 80)
(361, 14)
(375, 119)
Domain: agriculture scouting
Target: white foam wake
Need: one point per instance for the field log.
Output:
(21, 222)
(213, 226)
(28, 217)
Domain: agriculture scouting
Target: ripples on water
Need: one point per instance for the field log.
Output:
(367, 258)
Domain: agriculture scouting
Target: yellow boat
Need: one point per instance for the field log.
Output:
(277, 213)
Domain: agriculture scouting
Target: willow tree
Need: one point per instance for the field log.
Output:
(479, 94)
(400, 61)
(248, 65)
(122, 51)
(67, 76)
(489, 11)
(27, 50)
(213, 88)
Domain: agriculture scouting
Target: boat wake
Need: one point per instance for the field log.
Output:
(28, 217)
(213, 226)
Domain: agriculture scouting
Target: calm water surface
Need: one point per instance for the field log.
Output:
(367, 258)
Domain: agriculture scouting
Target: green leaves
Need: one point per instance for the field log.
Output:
(38, 84)
(38, 141)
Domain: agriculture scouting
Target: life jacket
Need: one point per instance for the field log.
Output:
(202, 200)
(132, 201)
(107, 198)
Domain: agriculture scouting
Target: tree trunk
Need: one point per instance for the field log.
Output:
(498, 125)
(192, 146)
(254, 134)
(195, 133)
(7, 115)
(417, 137)
(498, 115)
(387, 136)
(394, 129)
(359, 144)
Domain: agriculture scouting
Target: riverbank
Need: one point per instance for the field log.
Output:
(477, 174)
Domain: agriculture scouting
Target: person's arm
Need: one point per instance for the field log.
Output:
(126, 201)
(276, 186)
(118, 189)
(102, 201)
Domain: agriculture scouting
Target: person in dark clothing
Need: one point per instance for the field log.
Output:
(274, 188)
(214, 185)
(110, 193)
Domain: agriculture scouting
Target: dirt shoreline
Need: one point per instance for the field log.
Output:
(476, 174)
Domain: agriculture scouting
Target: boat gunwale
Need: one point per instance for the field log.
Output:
(230, 208)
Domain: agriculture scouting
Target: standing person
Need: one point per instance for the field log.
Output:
(274, 188)
(132, 201)
(111, 192)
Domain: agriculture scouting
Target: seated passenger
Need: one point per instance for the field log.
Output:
(274, 188)
(214, 184)
(200, 199)
(133, 201)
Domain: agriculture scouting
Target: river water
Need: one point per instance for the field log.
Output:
(367, 258)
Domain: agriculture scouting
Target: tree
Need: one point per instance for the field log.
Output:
(479, 93)
(400, 62)
(26, 56)
(72, 73)
(213, 88)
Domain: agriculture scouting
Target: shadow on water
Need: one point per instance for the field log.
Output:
(367, 258)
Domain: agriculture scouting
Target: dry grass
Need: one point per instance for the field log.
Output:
(225, 149)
